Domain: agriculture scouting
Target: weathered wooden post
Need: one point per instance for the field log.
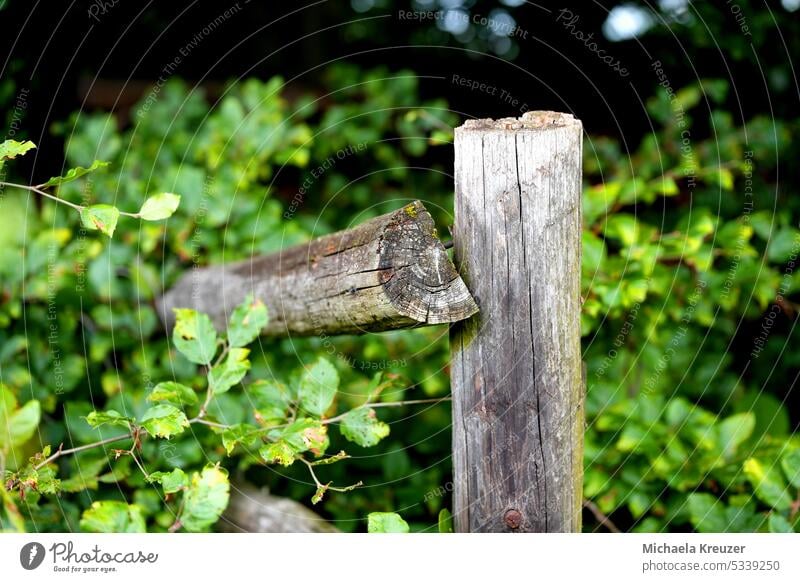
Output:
(516, 365)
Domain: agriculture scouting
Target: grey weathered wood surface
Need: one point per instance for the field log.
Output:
(389, 272)
(516, 366)
(252, 510)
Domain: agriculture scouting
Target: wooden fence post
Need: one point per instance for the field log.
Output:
(516, 366)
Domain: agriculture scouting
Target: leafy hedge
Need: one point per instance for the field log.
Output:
(684, 256)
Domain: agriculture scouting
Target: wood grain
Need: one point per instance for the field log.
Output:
(516, 366)
(390, 272)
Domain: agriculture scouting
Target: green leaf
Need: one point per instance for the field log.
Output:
(243, 434)
(386, 522)
(280, 452)
(270, 399)
(17, 425)
(205, 499)
(733, 431)
(779, 524)
(302, 435)
(768, 485)
(790, 462)
(247, 321)
(112, 517)
(194, 336)
(446, 521)
(74, 174)
(173, 393)
(362, 427)
(230, 372)
(318, 387)
(107, 417)
(172, 481)
(159, 206)
(164, 421)
(783, 245)
(10, 149)
(707, 513)
(102, 217)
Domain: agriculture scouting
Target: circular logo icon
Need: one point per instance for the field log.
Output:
(31, 555)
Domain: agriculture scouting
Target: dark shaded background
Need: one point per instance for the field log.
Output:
(95, 55)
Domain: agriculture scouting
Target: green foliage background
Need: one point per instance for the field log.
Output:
(690, 284)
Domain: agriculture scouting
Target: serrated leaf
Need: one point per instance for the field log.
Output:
(318, 387)
(102, 217)
(230, 372)
(171, 481)
(243, 434)
(361, 426)
(159, 206)
(768, 485)
(164, 421)
(307, 435)
(280, 452)
(205, 499)
(386, 522)
(74, 174)
(107, 417)
(246, 323)
(112, 517)
(194, 336)
(173, 393)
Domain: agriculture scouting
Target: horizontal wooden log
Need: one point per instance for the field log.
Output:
(390, 272)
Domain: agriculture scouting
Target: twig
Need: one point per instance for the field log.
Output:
(601, 517)
(319, 485)
(384, 404)
(62, 451)
(77, 207)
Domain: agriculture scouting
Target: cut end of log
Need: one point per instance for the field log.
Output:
(532, 120)
(390, 272)
(417, 275)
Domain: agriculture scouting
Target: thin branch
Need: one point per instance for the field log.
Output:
(62, 451)
(77, 207)
(601, 517)
(199, 420)
(385, 404)
(319, 485)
